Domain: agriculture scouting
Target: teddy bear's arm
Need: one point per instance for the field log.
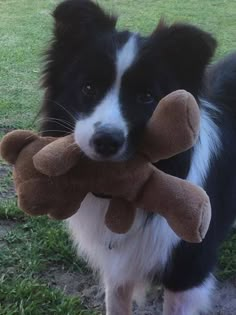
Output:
(185, 206)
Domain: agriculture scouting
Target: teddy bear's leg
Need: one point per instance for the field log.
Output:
(43, 196)
(120, 215)
(119, 299)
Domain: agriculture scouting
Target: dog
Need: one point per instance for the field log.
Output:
(104, 84)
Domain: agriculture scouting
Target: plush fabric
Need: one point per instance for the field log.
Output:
(52, 176)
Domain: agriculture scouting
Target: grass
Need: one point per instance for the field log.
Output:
(227, 259)
(41, 242)
(36, 244)
(30, 297)
(28, 250)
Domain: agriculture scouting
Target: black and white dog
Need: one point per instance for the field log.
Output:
(104, 84)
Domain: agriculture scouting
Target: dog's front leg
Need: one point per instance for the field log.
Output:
(119, 299)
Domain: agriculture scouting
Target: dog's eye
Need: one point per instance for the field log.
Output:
(145, 98)
(89, 89)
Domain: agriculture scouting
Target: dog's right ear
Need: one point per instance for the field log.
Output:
(80, 18)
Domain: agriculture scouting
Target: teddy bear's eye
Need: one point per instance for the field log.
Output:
(145, 98)
(89, 89)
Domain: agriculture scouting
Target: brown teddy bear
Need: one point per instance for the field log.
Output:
(53, 177)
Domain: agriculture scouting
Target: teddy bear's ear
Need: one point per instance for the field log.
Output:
(58, 157)
(13, 142)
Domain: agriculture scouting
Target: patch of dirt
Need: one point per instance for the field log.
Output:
(86, 285)
(226, 298)
(5, 227)
(6, 190)
(6, 129)
(92, 294)
(152, 304)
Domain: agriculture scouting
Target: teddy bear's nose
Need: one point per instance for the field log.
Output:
(108, 141)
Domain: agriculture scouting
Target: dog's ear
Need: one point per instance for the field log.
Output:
(77, 24)
(79, 18)
(185, 50)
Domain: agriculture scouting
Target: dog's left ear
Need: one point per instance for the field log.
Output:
(79, 18)
(185, 49)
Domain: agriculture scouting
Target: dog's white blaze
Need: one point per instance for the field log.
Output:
(125, 58)
(108, 111)
(208, 146)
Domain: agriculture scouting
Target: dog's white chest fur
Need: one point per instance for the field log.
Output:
(125, 257)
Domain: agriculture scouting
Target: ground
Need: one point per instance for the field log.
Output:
(39, 271)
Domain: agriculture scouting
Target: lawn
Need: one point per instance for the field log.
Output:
(29, 247)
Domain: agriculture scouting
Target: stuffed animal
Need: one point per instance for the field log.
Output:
(52, 176)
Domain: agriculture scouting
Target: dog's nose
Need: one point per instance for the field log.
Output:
(108, 141)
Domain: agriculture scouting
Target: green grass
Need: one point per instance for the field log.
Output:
(43, 243)
(29, 250)
(30, 297)
(24, 28)
(10, 211)
(227, 259)
(36, 244)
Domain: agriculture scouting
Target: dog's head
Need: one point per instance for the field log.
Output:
(105, 84)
